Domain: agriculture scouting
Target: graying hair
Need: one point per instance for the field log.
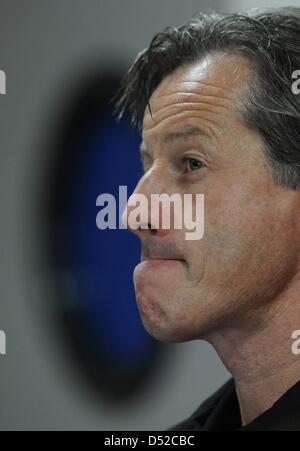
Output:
(270, 39)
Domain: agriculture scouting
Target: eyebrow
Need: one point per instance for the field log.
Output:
(180, 135)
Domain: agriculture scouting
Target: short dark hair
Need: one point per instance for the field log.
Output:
(270, 39)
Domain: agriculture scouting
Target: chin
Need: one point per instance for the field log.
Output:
(162, 332)
(171, 326)
(174, 317)
(165, 326)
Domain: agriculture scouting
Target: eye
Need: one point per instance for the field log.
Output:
(192, 164)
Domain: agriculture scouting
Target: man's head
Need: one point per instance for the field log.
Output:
(218, 116)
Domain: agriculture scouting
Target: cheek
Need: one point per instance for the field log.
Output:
(237, 214)
(237, 225)
(247, 233)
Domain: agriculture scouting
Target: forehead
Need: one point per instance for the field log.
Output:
(207, 90)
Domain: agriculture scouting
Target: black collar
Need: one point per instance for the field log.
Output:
(221, 412)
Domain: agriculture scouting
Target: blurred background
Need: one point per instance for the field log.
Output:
(78, 357)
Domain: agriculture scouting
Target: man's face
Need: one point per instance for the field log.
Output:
(186, 289)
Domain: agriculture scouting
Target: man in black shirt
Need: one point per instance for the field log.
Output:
(218, 104)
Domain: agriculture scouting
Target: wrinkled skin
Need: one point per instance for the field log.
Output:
(249, 252)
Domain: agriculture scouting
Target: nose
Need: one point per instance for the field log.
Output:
(140, 216)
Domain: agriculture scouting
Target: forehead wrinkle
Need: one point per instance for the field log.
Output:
(167, 110)
(189, 115)
(191, 86)
(186, 100)
(162, 109)
(189, 94)
(192, 91)
(210, 125)
(178, 97)
(191, 98)
(184, 134)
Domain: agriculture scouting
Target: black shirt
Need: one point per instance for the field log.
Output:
(221, 412)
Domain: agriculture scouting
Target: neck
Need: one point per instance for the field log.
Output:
(259, 354)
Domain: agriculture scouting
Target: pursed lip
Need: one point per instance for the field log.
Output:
(161, 264)
(161, 258)
(162, 252)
